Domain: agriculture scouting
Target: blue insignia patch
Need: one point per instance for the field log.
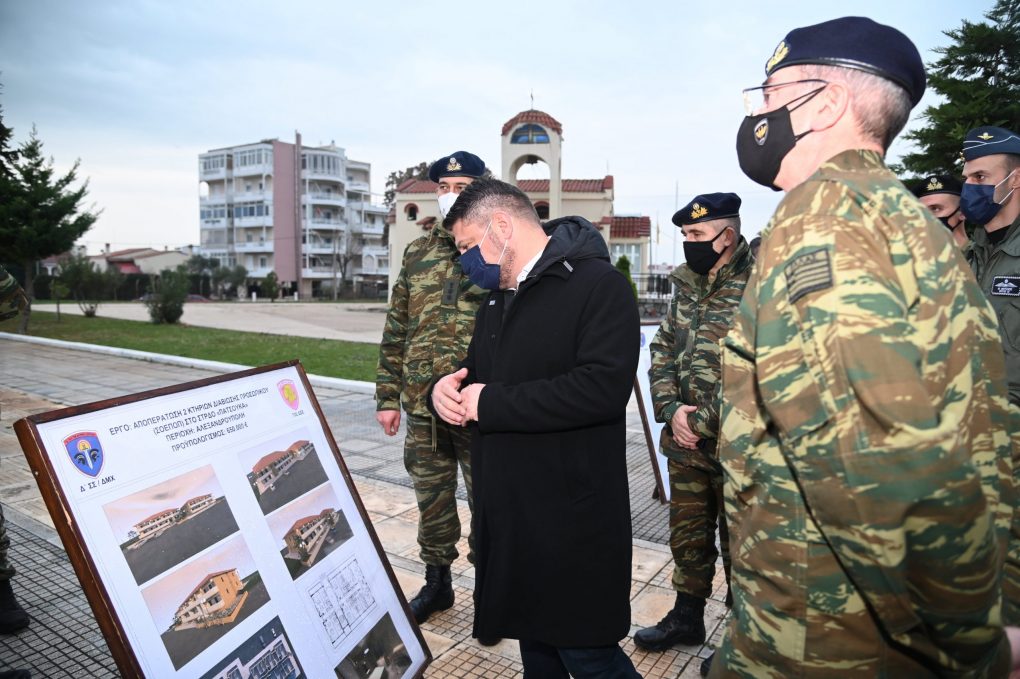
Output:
(85, 452)
(1006, 286)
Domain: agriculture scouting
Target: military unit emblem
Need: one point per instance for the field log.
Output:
(985, 136)
(85, 452)
(761, 131)
(289, 394)
(698, 211)
(782, 49)
(453, 165)
(1006, 286)
(934, 184)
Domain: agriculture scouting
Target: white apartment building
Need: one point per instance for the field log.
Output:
(304, 212)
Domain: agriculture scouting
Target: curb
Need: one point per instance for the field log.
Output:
(354, 386)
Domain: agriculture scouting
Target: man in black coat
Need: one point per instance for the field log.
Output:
(544, 388)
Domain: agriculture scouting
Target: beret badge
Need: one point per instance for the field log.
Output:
(934, 185)
(985, 136)
(782, 49)
(453, 165)
(698, 211)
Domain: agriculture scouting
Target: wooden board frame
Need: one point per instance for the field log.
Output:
(78, 552)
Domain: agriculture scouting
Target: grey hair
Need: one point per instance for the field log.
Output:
(880, 106)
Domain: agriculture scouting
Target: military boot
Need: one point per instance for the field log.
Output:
(436, 595)
(13, 617)
(685, 624)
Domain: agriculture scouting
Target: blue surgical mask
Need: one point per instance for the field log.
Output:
(978, 201)
(482, 274)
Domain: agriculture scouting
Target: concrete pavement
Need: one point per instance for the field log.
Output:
(352, 322)
(62, 642)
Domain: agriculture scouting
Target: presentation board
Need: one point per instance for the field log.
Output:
(217, 533)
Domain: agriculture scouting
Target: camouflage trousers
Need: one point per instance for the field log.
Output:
(695, 510)
(6, 569)
(432, 451)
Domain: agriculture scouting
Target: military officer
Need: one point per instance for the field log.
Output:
(428, 328)
(940, 193)
(864, 411)
(684, 380)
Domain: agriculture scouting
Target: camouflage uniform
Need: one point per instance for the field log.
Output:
(868, 470)
(12, 299)
(997, 269)
(428, 329)
(685, 371)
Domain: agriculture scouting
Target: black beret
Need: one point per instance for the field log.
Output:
(457, 164)
(854, 42)
(937, 183)
(988, 140)
(708, 206)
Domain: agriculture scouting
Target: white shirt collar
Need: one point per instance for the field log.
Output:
(529, 266)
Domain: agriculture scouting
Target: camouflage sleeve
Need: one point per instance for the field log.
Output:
(12, 297)
(389, 379)
(705, 420)
(662, 374)
(1011, 573)
(889, 474)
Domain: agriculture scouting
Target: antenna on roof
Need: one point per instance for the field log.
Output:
(532, 100)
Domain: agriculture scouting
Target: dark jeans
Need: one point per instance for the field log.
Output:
(542, 661)
(6, 569)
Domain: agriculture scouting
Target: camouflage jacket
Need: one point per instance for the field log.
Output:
(864, 442)
(685, 350)
(429, 323)
(997, 269)
(12, 297)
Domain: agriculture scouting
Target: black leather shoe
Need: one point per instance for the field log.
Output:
(489, 641)
(13, 617)
(706, 665)
(16, 674)
(685, 624)
(436, 595)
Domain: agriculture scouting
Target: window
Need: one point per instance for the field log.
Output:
(214, 163)
(262, 263)
(542, 208)
(412, 212)
(530, 134)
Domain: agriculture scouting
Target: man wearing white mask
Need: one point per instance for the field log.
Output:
(428, 327)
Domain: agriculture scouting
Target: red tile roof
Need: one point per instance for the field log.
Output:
(202, 584)
(302, 522)
(533, 116)
(157, 515)
(269, 459)
(631, 227)
(418, 186)
(297, 444)
(569, 185)
(426, 222)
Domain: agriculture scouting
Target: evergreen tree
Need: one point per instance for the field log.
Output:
(270, 286)
(978, 76)
(419, 171)
(623, 266)
(42, 213)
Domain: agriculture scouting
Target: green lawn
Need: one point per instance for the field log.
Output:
(350, 360)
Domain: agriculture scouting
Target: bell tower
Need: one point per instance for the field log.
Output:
(529, 137)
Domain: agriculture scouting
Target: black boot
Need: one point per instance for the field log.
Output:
(13, 617)
(685, 624)
(16, 674)
(436, 595)
(706, 665)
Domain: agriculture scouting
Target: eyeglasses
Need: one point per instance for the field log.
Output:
(757, 98)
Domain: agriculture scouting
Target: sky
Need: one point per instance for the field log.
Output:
(646, 91)
(124, 513)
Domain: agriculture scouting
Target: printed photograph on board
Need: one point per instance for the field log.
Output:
(309, 529)
(205, 599)
(170, 522)
(282, 470)
(380, 655)
(267, 654)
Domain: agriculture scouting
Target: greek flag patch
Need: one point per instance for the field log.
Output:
(808, 273)
(1006, 286)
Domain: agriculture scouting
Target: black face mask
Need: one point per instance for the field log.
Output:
(701, 256)
(945, 220)
(764, 140)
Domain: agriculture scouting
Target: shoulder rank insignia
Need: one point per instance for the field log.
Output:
(698, 211)
(782, 49)
(453, 165)
(934, 185)
(985, 136)
(808, 273)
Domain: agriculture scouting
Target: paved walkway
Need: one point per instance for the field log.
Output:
(319, 320)
(61, 641)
